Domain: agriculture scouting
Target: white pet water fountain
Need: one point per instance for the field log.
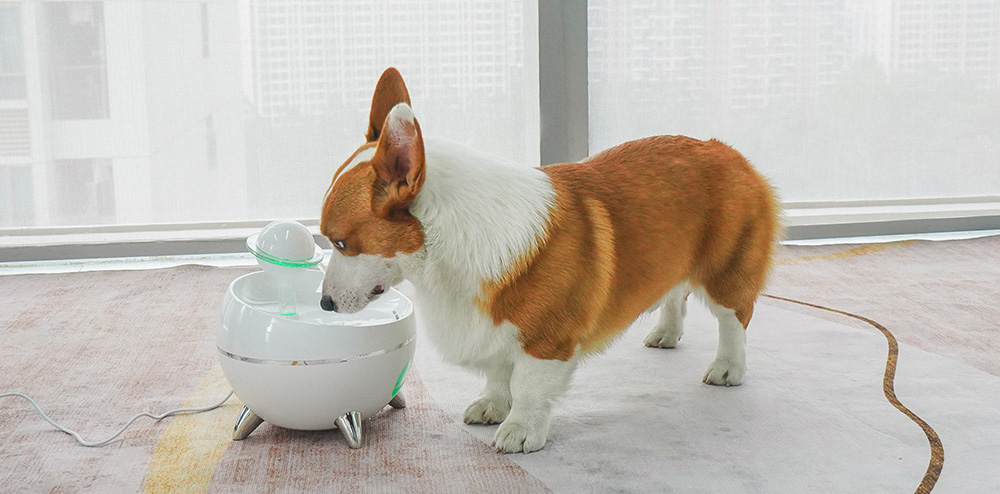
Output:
(297, 366)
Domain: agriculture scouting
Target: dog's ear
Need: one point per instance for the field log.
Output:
(389, 92)
(398, 163)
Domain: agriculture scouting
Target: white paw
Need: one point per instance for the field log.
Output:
(725, 373)
(487, 410)
(517, 437)
(663, 338)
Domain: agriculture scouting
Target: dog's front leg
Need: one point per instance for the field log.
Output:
(535, 386)
(493, 403)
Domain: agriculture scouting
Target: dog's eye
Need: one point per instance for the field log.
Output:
(340, 245)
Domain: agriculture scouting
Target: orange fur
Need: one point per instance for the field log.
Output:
(629, 224)
(389, 91)
(348, 215)
(366, 206)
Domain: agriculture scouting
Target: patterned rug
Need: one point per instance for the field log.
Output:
(94, 348)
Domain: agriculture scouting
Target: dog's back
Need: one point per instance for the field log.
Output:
(630, 223)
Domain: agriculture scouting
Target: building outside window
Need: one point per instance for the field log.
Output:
(89, 190)
(78, 60)
(11, 54)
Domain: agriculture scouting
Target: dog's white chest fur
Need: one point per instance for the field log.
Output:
(459, 330)
(480, 214)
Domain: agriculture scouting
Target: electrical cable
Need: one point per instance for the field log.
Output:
(91, 444)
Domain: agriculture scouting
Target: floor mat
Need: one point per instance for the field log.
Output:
(94, 348)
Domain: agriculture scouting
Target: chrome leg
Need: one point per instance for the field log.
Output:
(398, 401)
(350, 426)
(246, 424)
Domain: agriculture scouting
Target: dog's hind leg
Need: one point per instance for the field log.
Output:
(731, 295)
(731, 298)
(670, 326)
(730, 365)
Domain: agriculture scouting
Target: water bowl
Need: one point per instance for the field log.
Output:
(309, 369)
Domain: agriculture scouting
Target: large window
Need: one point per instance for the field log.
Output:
(836, 100)
(194, 112)
(187, 114)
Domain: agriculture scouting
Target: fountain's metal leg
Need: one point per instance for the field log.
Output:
(398, 401)
(246, 424)
(350, 426)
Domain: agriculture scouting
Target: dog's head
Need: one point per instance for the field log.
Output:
(366, 212)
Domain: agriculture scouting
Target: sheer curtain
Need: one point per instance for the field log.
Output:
(177, 111)
(864, 101)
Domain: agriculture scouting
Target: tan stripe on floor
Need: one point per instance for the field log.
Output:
(856, 251)
(190, 448)
(936, 462)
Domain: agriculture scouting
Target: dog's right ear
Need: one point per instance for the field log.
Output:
(389, 92)
(398, 163)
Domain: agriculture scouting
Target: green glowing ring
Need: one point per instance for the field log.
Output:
(313, 261)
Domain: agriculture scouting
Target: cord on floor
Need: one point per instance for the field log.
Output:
(84, 442)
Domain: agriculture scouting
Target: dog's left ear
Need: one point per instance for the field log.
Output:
(398, 163)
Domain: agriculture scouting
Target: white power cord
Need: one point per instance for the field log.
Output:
(84, 442)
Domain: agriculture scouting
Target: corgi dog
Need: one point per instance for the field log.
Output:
(521, 272)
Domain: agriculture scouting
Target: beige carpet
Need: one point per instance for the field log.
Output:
(95, 348)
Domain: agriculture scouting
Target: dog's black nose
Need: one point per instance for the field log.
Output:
(328, 304)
